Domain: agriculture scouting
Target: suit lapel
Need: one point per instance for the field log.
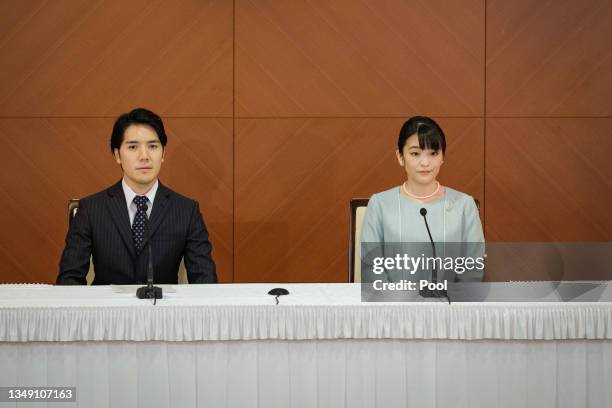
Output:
(119, 213)
(160, 208)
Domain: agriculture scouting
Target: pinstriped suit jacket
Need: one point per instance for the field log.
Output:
(101, 229)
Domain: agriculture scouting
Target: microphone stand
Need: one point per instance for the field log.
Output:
(149, 291)
(426, 292)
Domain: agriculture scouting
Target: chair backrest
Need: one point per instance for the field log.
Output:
(357, 210)
(73, 207)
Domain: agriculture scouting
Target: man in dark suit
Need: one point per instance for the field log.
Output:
(110, 225)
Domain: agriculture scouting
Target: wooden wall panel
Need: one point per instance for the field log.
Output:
(347, 58)
(549, 179)
(100, 58)
(549, 58)
(199, 165)
(280, 112)
(294, 180)
(48, 161)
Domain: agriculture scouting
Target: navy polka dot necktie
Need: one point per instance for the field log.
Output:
(139, 222)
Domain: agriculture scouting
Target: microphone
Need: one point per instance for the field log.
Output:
(426, 292)
(149, 291)
(278, 292)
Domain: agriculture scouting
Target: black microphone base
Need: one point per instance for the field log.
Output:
(149, 292)
(433, 293)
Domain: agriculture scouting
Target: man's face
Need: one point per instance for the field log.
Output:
(140, 155)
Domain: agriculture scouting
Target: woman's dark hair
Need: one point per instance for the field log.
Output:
(138, 116)
(429, 132)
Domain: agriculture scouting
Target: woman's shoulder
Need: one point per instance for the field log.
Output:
(385, 196)
(453, 197)
(458, 198)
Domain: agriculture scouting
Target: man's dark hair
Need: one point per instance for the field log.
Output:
(138, 116)
(429, 132)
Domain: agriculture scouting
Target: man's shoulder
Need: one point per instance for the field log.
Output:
(178, 200)
(101, 195)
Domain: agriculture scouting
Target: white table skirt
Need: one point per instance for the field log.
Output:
(311, 311)
(318, 373)
(230, 346)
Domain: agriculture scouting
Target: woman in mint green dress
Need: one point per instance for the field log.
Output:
(395, 215)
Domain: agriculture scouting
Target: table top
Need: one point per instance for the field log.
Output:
(310, 311)
(247, 294)
(305, 294)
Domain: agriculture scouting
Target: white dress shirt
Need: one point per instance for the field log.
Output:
(129, 199)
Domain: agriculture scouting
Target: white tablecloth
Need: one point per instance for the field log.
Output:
(230, 346)
(311, 311)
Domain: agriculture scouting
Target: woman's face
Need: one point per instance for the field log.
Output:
(421, 165)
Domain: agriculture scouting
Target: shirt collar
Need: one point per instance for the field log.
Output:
(130, 194)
